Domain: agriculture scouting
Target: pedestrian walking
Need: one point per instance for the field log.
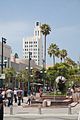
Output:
(15, 95)
(19, 94)
(29, 100)
(9, 94)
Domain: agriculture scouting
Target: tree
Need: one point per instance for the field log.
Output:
(63, 54)
(59, 69)
(10, 74)
(53, 51)
(45, 29)
(22, 76)
(70, 62)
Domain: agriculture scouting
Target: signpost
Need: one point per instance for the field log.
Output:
(2, 77)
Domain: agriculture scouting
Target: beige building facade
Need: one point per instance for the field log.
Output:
(6, 54)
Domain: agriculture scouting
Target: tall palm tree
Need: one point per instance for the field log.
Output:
(63, 54)
(45, 29)
(53, 51)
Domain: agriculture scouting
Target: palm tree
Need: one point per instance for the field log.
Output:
(45, 29)
(63, 54)
(53, 51)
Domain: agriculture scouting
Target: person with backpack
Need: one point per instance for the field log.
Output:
(9, 94)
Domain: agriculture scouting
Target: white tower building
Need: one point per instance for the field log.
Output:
(35, 45)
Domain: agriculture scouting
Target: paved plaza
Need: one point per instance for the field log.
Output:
(24, 112)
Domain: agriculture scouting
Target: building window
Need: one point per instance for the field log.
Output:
(35, 33)
(37, 23)
(35, 45)
(38, 33)
(30, 42)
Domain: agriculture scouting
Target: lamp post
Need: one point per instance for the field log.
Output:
(1, 80)
(3, 42)
(30, 53)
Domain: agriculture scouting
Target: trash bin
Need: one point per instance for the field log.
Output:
(48, 102)
(44, 103)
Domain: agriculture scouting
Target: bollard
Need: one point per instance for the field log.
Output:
(44, 103)
(69, 109)
(39, 109)
(79, 116)
(11, 110)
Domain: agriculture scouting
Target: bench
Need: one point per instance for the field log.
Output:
(73, 104)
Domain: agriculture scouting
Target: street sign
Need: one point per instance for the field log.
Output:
(2, 76)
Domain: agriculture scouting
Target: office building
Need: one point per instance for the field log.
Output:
(34, 45)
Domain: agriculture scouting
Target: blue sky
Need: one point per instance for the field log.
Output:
(17, 19)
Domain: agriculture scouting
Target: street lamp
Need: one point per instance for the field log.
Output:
(3, 42)
(30, 53)
(1, 79)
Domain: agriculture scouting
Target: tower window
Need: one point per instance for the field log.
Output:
(37, 23)
(38, 33)
(35, 33)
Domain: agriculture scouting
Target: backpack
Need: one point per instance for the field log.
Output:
(8, 94)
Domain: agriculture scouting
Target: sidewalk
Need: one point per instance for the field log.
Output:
(25, 111)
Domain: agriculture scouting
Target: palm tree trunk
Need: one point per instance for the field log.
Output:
(53, 60)
(45, 51)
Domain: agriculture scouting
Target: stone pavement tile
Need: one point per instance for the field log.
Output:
(41, 117)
